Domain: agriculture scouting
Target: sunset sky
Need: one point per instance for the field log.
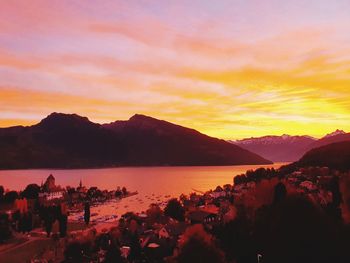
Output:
(231, 69)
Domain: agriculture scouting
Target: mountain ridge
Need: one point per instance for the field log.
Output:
(288, 147)
(285, 148)
(72, 141)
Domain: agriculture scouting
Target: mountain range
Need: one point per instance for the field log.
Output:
(71, 141)
(288, 148)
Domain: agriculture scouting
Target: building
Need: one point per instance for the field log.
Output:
(50, 191)
(201, 217)
(49, 184)
(81, 188)
(173, 230)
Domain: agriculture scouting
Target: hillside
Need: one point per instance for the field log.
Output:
(71, 141)
(59, 140)
(335, 156)
(156, 142)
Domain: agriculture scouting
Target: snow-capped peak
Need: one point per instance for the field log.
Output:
(337, 132)
(267, 140)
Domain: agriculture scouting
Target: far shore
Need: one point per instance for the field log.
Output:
(133, 166)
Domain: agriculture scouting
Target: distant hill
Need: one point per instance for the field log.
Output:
(71, 141)
(335, 156)
(288, 148)
(283, 148)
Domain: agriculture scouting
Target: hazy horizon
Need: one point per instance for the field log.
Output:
(232, 139)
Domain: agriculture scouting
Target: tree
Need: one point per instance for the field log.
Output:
(175, 210)
(94, 192)
(299, 231)
(125, 192)
(31, 191)
(10, 197)
(240, 179)
(113, 254)
(198, 246)
(118, 192)
(235, 238)
(133, 226)
(337, 198)
(74, 252)
(135, 248)
(71, 190)
(183, 198)
(280, 193)
(333, 208)
(5, 229)
(154, 213)
(2, 191)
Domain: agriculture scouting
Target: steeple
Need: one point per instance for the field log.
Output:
(49, 184)
(80, 184)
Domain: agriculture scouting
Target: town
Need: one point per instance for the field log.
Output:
(225, 221)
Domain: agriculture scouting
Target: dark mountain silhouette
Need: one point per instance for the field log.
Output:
(283, 148)
(335, 156)
(156, 142)
(71, 141)
(59, 140)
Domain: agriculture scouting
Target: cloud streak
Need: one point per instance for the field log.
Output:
(230, 69)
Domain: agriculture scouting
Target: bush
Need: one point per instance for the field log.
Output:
(198, 246)
(175, 210)
(298, 231)
(5, 230)
(31, 191)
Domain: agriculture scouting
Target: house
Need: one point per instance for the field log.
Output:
(218, 192)
(153, 245)
(172, 230)
(308, 186)
(201, 217)
(144, 241)
(50, 190)
(163, 233)
(143, 215)
(189, 204)
(125, 251)
(51, 196)
(210, 208)
(49, 185)
(157, 249)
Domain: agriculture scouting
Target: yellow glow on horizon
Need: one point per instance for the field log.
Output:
(226, 74)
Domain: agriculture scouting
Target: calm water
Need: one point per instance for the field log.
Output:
(154, 184)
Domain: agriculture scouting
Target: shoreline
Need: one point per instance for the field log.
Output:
(138, 166)
(252, 190)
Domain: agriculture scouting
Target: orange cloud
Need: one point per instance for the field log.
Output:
(226, 73)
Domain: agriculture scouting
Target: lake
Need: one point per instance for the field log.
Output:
(154, 184)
